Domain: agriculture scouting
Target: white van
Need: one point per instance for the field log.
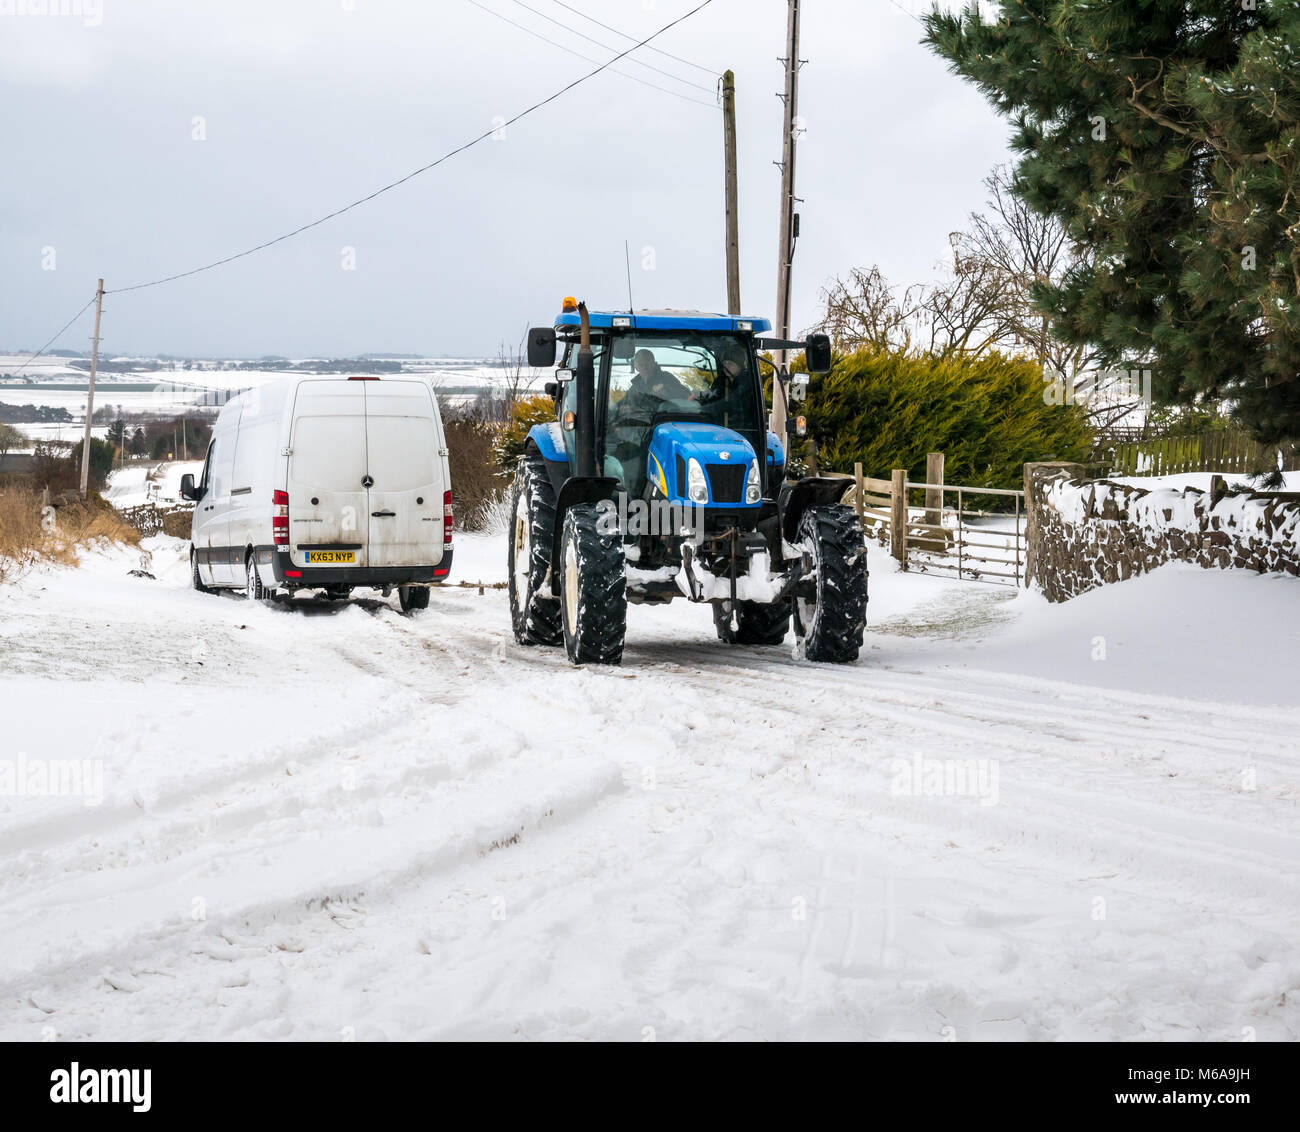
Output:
(325, 483)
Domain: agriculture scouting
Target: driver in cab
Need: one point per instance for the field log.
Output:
(646, 395)
(652, 386)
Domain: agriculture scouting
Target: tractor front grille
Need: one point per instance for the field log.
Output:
(726, 482)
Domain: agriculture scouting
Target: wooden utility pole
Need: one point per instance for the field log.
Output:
(786, 252)
(733, 216)
(90, 394)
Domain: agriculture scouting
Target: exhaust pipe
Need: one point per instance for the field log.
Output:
(584, 440)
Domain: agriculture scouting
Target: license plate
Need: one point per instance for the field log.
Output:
(331, 557)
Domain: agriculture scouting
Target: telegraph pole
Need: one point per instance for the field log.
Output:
(90, 395)
(733, 216)
(788, 220)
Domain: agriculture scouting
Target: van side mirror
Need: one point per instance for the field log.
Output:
(817, 350)
(541, 347)
(552, 389)
(188, 490)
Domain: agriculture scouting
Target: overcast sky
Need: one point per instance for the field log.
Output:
(306, 105)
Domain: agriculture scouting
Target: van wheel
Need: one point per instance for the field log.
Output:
(195, 580)
(411, 598)
(534, 612)
(253, 587)
(593, 588)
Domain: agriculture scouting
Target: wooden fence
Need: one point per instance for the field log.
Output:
(1227, 450)
(943, 533)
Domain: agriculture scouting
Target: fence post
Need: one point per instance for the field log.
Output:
(857, 493)
(898, 516)
(934, 495)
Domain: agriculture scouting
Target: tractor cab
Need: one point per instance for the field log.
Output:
(678, 407)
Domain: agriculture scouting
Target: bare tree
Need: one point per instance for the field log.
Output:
(863, 310)
(988, 297)
(10, 438)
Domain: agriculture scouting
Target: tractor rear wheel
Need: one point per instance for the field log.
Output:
(593, 589)
(757, 623)
(831, 620)
(534, 612)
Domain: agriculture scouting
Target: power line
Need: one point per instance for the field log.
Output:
(905, 12)
(424, 168)
(606, 47)
(624, 35)
(56, 336)
(589, 59)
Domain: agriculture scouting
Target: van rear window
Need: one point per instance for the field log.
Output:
(403, 453)
(329, 453)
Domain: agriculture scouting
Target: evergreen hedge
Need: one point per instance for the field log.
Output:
(987, 415)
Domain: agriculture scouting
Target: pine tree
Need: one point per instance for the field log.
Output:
(1164, 134)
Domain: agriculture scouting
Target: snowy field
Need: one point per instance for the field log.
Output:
(169, 393)
(332, 821)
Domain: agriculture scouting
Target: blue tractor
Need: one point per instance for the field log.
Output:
(659, 480)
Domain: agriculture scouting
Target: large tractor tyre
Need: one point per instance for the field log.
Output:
(757, 623)
(593, 589)
(832, 622)
(411, 598)
(534, 612)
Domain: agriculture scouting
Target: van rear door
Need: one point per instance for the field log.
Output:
(328, 508)
(405, 463)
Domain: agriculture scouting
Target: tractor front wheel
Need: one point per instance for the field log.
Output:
(593, 588)
(831, 614)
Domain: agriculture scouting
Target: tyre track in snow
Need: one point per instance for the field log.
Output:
(230, 816)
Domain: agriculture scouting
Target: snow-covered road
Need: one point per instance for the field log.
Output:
(1008, 820)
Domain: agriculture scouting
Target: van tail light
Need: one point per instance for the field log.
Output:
(280, 517)
(447, 520)
(367, 377)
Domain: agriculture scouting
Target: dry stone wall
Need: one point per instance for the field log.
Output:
(1085, 533)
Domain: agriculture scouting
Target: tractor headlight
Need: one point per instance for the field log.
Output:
(697, 490)
(753, 489)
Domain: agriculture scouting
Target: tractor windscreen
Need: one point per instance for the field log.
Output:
(705, 377)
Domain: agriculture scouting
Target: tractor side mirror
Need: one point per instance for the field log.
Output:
(188, 490)
(817, 350)
(541, 347)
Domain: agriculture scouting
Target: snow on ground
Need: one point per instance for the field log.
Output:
(1201, 481)
(150, 482)
(326, 821)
